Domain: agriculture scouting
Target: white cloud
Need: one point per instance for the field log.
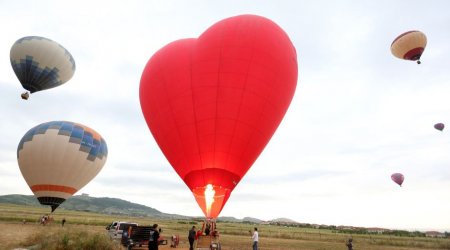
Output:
(357, 116)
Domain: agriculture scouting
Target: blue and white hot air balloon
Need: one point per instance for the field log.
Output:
(40, 63)
(58, 158)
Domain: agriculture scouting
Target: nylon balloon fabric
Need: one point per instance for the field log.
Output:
(213, 103)
(40, 63)
(58, 158)
(409, 45)
(398, 178)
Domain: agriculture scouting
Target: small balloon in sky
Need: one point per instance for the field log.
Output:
(439, 126)
(398, 178)
(40, 63)
(409, 45)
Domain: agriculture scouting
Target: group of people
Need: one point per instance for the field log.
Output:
(208, 229)
(45, 219)
(193, 235)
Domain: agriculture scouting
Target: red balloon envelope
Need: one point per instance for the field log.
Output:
(213, 103)
(439, 126)
(398, 178)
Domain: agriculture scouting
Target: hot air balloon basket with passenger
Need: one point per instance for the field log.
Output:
(208, 237)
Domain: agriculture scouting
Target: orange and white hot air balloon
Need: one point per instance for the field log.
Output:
(58, 158)
(409, 45)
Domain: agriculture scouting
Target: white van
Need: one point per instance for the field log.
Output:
(117, 228)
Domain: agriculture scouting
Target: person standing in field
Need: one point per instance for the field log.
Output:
(350, 244)
(191, 237)
(63, 221)
(255, 239)
(154, 236)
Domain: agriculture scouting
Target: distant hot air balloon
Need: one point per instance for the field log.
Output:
(409, 45)
(213, 103)
(398, 178)
(439, 126)
(58, 158)
(40, 63)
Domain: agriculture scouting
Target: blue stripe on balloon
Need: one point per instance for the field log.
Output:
(94, 148)
(34, 78)
(87, 142)
(66, 52)
(76, 135)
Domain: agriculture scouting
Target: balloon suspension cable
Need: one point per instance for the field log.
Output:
(25, 95)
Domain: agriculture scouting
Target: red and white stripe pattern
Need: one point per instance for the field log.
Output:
(409, 45)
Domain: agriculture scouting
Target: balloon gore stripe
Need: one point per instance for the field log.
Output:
(67, 53)
(33, 77)
(414, 54)
(402, 35)
(90, 141)
(54, 188)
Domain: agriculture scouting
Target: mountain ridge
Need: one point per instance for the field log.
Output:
(111, 206)
(115, 206)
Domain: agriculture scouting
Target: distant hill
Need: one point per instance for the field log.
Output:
(283, 221)
(19, 199)
(106, 205)
(228, 219)
(252, 220)
(102, 205)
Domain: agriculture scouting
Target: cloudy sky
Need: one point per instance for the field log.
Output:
(358, 115)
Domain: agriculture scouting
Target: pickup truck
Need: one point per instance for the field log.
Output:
(138, 236)
(117, 228)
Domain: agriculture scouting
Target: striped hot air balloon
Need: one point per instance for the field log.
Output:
(58, 158)
(40, 63)
(409, 45)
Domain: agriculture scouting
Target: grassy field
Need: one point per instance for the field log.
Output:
(85, 230)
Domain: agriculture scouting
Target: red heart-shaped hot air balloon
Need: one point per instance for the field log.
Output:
(213, 103)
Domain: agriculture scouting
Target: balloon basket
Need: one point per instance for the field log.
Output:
(209, 239)
(25, 95)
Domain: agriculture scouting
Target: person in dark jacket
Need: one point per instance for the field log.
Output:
(154, 236)
(350, 244)
(191, 237)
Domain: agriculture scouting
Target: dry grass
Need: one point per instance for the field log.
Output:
(87, 231)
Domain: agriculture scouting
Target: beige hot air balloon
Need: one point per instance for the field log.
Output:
(409, 45)
(41, 63)
(58, 158)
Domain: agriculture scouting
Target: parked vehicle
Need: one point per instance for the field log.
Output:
(138, 236)
(117, 228)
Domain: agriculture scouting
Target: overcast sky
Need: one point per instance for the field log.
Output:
(358, 115)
